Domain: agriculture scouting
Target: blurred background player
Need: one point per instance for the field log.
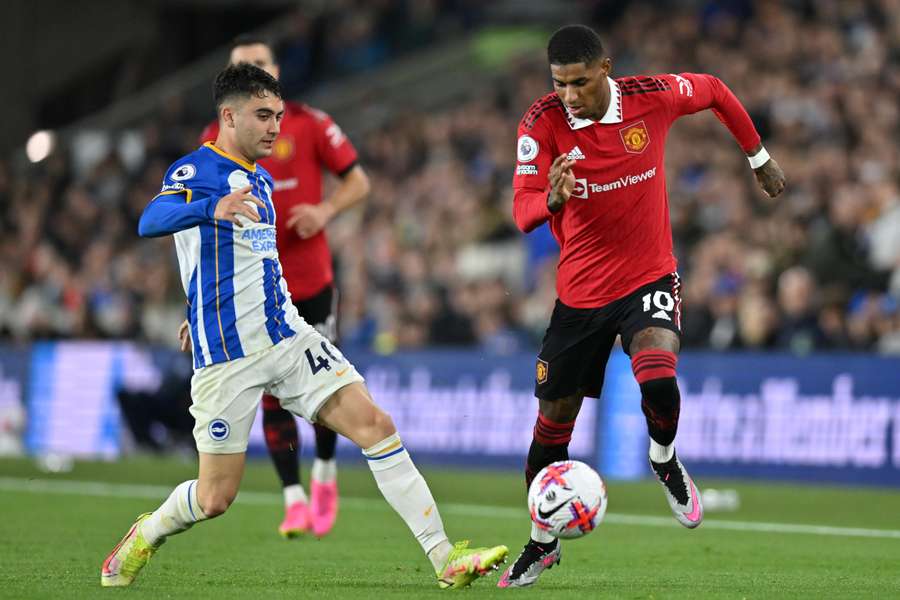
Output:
(309, 143)
(590, 161)
(247, 337)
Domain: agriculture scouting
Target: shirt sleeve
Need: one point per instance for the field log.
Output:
(334, 148)
(534, 155)
(183, 202)
(693, 92)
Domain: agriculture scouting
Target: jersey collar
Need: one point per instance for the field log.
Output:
(613, 111)
(231, 157)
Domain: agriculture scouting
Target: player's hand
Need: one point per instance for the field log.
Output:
(562, 182)
(236, 203)
(770, 178)
(184, 336)
(309, 219)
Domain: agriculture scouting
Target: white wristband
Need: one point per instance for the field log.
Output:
(758, 159)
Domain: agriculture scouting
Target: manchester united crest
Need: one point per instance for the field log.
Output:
(541, 371)
(283, 148)
(635, 137)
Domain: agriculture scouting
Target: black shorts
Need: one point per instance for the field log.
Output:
(578, 341)
(320, 311)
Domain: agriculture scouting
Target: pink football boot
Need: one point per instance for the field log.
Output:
(296, 520)
(323, 506)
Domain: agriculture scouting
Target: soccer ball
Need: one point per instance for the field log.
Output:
(567, 499)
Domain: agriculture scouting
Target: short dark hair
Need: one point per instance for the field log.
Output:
(574, 44)
(250, 39)
(243, 79)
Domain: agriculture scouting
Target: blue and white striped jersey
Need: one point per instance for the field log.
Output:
(238, 302)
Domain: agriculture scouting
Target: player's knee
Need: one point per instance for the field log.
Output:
(561, 410)
(654, 339)
(216, 501)
(371, 427)
(381, 425)
(216, 505)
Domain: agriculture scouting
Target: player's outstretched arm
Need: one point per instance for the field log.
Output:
(692, 92)
(169, 213)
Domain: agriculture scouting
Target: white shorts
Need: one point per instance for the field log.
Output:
(302, 371)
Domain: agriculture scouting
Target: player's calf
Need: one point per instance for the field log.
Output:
(654, 370)
(550, 443)
(351, 412)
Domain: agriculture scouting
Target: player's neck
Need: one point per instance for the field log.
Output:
(598, 114)
(602, 105)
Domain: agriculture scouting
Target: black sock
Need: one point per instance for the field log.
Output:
(326, 441)
(282, 440)
(550, 443)
(546, 546)
(661, 403)
(539, 456)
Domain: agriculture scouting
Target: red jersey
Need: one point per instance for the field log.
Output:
(309, 141)
(614, 232)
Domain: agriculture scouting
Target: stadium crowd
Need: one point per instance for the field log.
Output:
(434, 257)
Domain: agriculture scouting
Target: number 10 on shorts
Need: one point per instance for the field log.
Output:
(317, 362)
(660, 300)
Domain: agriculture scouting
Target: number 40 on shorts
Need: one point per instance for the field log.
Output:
(317, 362)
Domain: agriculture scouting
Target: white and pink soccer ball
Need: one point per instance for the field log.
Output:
(567, 499)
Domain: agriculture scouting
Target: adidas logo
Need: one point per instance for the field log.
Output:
(575, 154)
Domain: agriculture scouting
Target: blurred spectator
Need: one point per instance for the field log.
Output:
(798, 330)
(758, 321)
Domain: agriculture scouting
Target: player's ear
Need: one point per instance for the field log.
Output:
(226, 114)
(606, 64)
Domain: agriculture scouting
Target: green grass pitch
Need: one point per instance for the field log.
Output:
(55, 530)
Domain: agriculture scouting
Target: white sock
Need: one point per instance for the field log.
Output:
(294, 493)
(539, 535)
(439, 554)
(178, 513)
(324, 471)
(660, 453)
(406, 491)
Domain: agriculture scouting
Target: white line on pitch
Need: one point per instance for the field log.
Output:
(158, 492)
